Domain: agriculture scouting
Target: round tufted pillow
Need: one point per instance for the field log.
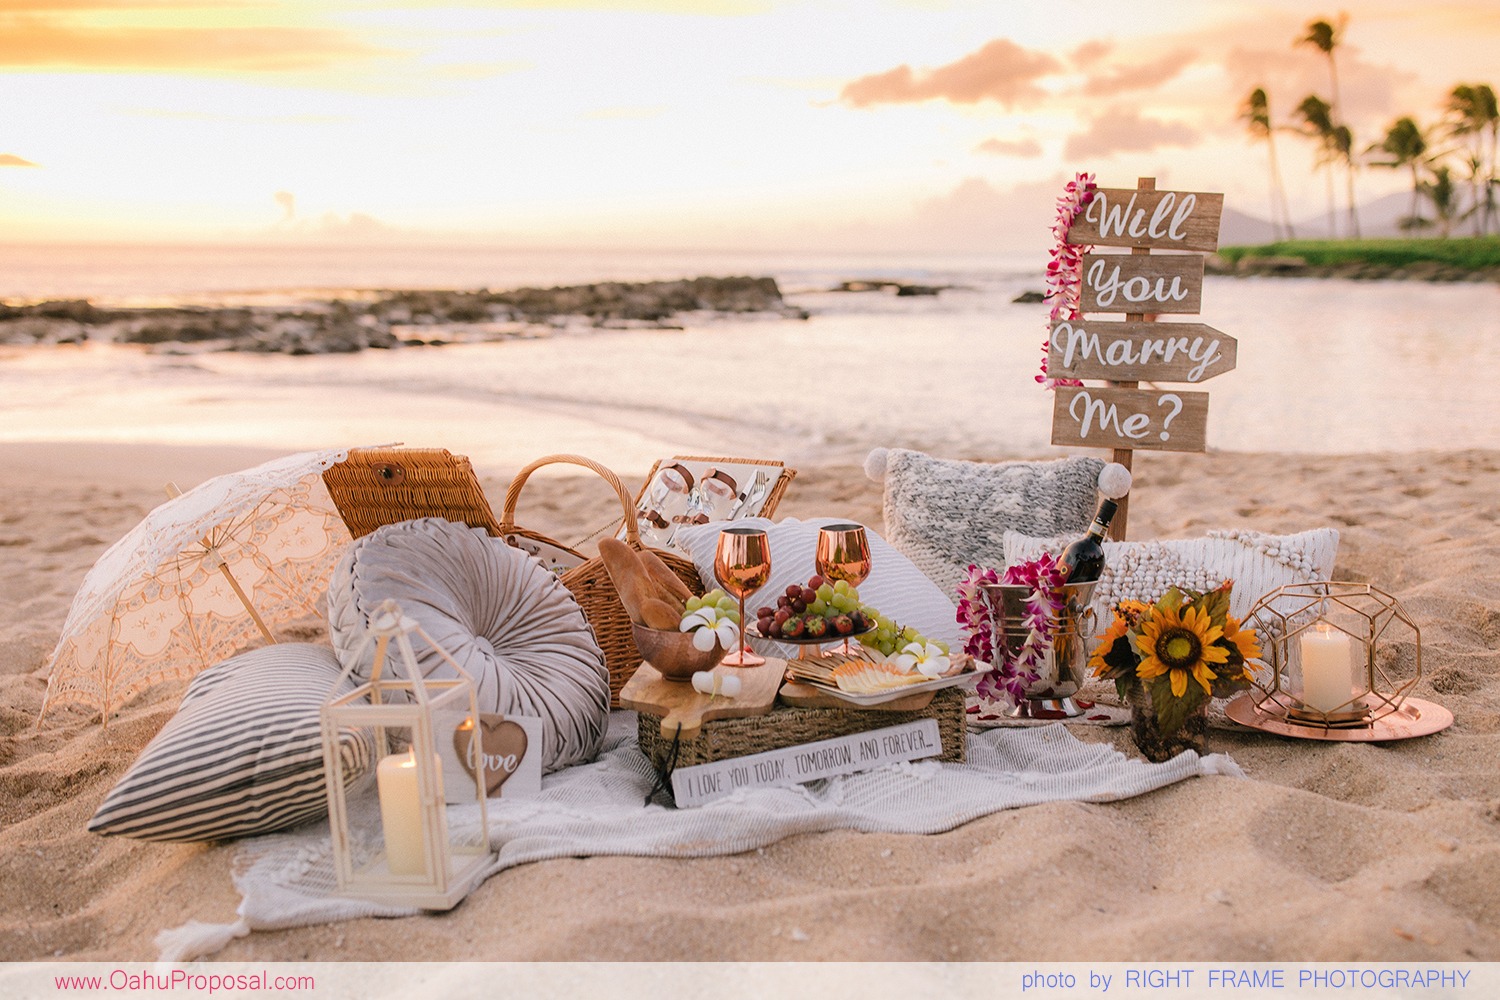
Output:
(498, 612)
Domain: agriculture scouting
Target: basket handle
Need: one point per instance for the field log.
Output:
(513, 492)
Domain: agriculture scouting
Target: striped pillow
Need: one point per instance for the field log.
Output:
(243, 754)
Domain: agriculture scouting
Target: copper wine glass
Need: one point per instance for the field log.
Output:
(844, 554)
(742, 565)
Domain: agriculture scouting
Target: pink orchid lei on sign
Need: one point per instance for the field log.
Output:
(1010, 674)
(1065, 270)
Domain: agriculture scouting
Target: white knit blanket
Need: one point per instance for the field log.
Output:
(287, 880)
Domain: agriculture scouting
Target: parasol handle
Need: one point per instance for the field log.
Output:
(173, 492)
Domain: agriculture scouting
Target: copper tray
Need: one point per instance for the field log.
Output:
(1415, 717)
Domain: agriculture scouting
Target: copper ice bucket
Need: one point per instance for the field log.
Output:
(1062, 670)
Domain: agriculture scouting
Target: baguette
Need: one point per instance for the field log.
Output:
(670, 584)
(658, 614)
(628, 576)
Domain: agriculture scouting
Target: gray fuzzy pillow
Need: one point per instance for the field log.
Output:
(944, 514)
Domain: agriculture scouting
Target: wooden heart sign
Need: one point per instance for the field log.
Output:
(502, 743)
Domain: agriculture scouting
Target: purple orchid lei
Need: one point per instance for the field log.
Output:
(1010, 674)
(1065, 270)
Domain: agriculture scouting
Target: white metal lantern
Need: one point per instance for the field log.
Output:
(392, 837)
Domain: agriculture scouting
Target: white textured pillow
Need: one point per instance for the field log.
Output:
(944, 514)
(895, 586)
(1143, 571)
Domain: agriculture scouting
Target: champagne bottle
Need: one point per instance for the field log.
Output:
(1084, 559)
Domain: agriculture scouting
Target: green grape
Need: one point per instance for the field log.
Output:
(726, 604)
(825, 593)
(818, 607)
(841, 587)
(733, 615)
(694, 603)
(854, 596)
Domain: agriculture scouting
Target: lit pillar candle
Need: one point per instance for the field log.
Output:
(1327, 674)
(401, 814)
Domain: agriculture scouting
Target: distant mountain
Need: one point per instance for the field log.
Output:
(1380, 217)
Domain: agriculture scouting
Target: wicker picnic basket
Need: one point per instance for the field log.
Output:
(589, 580)
(378, 486)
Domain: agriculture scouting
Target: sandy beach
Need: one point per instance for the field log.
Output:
(1328, 852)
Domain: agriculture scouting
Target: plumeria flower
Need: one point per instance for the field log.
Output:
(927, 659)
(710, 626)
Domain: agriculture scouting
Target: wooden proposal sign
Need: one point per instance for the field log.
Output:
(1141, 285)
(1130, 418)
(1129, 352)
(1117, 282)
(1160, 220)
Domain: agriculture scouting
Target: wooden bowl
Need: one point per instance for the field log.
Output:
(673, 653)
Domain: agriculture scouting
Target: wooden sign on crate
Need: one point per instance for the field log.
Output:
(1141, 285)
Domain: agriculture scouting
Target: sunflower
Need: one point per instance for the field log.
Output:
(1245, 640)
(1182, 643)
(1127, 615)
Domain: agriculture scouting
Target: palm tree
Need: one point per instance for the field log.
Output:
(1472, 112)
(1256, 113)
(1325, 37)
(1318, 126)
(1341, 144)
(1405, 145)
(1443, 195)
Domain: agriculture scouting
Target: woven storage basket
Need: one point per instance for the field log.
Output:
(589, 580)
(379, 486)
(786, 726)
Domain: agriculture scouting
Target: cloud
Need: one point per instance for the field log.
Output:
(1367, 91)
(1010, 147)
(1000, 71)
(1144, 76)
(1090, 52)
(48, 42)
(12, 160)
(288, 203)
(1125, 130)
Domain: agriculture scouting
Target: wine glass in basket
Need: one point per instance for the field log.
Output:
(742, 565)
(844, 554)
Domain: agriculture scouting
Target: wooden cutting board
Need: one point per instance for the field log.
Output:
(807, 696)
(679, 704)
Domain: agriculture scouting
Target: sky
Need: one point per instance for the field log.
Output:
(848, 124)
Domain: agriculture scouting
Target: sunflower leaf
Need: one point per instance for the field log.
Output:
(1120, 659)
(1215, 604)
(1171, 711)
(1171, 600)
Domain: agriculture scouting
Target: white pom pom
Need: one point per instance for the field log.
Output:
(1114, 481)
(875, 464)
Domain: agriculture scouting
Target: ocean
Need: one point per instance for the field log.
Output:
(1324, 366)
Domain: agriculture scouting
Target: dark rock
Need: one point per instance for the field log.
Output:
(1029, 298)
(909, 290)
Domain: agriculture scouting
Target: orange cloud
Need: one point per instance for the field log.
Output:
(1119, 79)
(1010, 147)
(45, 42)
(1367, 91)
(12, 160)
(1090, 52)
(1125, 130)
(1000, 71)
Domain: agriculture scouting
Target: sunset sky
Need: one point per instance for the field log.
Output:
(768, 123)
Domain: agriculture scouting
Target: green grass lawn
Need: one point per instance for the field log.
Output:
(1459, 251)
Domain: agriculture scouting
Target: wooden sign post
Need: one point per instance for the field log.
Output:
(1122, 416)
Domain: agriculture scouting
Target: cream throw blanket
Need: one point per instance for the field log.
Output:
(287, 880)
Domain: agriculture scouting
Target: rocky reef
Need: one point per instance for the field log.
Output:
(388, 319)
